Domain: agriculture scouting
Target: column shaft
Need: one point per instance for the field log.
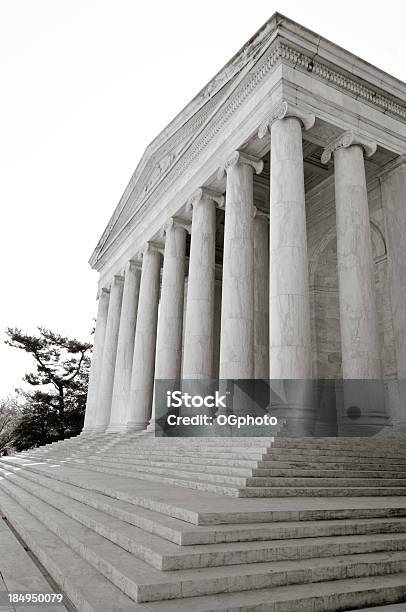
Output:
(142, 378)
(125, 348)
(169, 338)
(290, 346)
(358, 314)
(199, 323)
(109, 355)
(237, 313)
(97, 356)
(393, 184)
(261, 297)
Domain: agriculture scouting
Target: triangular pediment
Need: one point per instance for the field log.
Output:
(166, 148)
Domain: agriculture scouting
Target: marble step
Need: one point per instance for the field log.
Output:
(325, 465)
(88, 590)
(262, 453)
(262, 463)
(239, 490)
(208, 509)
(160, 460)
(329, 596)
(191, 483)
(249, 454)
(165, 469)
(360, 453)
(339, 442)
(333, 481)
(337, 491)
(317, 472)
(401, 607)
(144, 584)
(253, 469)
(168, 556)
(181, 533)
(272, 489)
(245, 478)
(203, 442)
(274, 455)
(242, 468)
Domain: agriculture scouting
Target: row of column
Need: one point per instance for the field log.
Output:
(131, 347)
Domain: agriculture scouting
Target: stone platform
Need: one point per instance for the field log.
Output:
(130, 522)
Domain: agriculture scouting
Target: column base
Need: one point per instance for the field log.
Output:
(91, 431)
(135, 426)
(117, 428)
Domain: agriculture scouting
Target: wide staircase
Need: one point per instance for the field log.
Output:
(133, 522)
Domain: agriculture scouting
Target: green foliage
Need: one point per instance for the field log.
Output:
(55, 409)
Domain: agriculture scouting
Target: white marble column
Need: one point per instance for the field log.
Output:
(169, 338)
(393, 186)
(199, 323)
(142, 378)
(356, 276)
(106, 380)
(261, 295)
(289, 344)
(237, 312)
(97, 356)
(125, 348)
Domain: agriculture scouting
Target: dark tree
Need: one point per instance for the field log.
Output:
(61, 377)
(9, 419)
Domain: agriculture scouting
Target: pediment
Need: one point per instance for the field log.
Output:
(166, 148)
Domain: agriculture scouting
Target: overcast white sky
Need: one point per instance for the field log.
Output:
(85, 86)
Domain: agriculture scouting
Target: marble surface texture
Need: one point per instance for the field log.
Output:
(142, 379)
(169, 336)
(97, 356)
(237, 315)
(109, 355)
(199, 323)
(358, 314)
(125, 347)
(290, 347)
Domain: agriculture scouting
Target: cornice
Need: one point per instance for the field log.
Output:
(278, 52)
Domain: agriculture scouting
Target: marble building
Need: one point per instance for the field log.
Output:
(262, 235)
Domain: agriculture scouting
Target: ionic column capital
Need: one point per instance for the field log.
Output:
(118, 279)
(283, 110)
(176, 223)
(133, 264)
(241, 158)
(205, 194)
(152, 246)
(103, 292)
(348, 139)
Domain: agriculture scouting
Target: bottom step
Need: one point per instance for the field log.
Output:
(88, 590)
(326, 597)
